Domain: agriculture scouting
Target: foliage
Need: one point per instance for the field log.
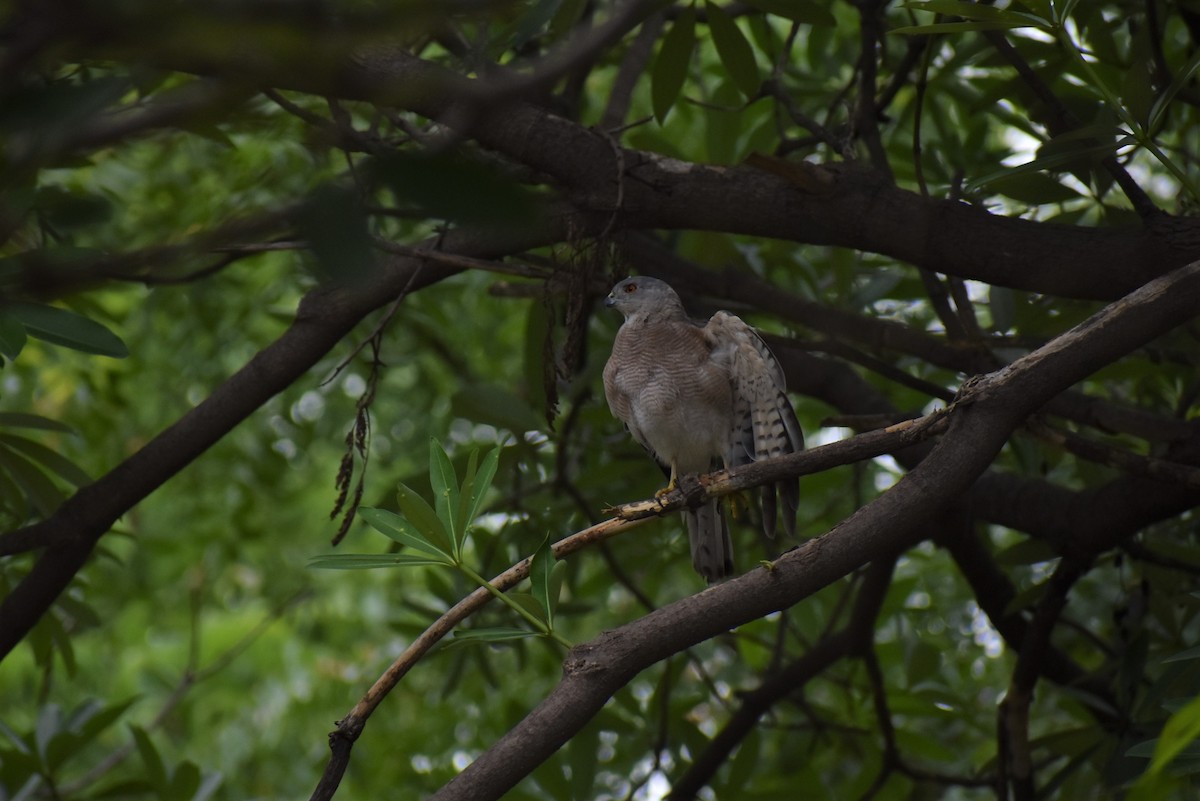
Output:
(414, 208)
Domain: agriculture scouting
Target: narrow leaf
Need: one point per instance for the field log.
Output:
(671, 67)
(540, 569)
(956, 27)
(421, 514)
(483, 481)
(184, 782)
(22, 420)
(735, 52)
(401, 530)
(370, 561)
(977, 11)
(71, 330)
(56, 462)
(797, 10)
(156, 771)
(1182, 78)
(33, 482)
(1184, 656)
(12, 335)
(492, 634)
(445, 494)
(1180, 731)
(464, 493)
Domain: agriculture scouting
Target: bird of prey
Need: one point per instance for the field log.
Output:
(690, 392)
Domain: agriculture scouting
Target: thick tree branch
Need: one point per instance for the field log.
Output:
(325, 316)
(828, 205)
(989, 410)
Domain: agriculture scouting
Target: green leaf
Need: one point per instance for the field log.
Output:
(184, 781)
(1182, 78)
(401, 530)
(541, 567)
(1184, 656)
(369, 561)
(61, 465)
(421, 515)
(735, 52)
(446, 495)
(1181, 730)
(23, 420)
(976, 11)
(797, 10)
(498, 634)
(12, 335)
(49, 724)
(464, 493)
(1053, 161)
(34, 484)
(156, 771)
(671, 67)
(483, 481)
(938, 28)
(71, 330)
(1034, 188)
(583, 755)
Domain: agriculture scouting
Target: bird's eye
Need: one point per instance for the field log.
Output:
(630, 288)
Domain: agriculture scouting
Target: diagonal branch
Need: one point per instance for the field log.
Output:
(989, 409)
(325, 316)
(628, 516)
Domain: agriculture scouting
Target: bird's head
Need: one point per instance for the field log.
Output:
(641, 296)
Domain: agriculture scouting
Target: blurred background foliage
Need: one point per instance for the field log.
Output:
(198, 656)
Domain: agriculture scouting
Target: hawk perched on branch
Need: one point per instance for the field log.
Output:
(691, 392)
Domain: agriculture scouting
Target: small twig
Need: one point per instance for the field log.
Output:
(1092, 451)
(463, 262)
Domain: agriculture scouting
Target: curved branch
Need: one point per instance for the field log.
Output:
(986, 413)
(824, 205)
(325, 316)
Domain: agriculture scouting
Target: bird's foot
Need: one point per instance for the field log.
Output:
(738, 504)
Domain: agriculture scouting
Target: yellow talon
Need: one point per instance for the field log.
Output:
(737, 504)
(667, 489)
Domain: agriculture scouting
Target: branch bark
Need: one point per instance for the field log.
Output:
(988, 410)
(830, 204)
(324, 317)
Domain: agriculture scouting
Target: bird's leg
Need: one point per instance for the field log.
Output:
(738, 501)
(670, 484)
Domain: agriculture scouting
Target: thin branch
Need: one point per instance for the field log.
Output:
(988, 410)
(789, 681)
(627, 516)
(1062, 121)
(1092, 451)
(1015, 707)
(324, 317)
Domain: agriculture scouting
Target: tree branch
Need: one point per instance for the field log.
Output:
(325, 316)
(837, 205)
(988, 411)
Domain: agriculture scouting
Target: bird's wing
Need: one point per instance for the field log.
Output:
(764, 424)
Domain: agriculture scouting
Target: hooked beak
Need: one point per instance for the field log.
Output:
(610, 301)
